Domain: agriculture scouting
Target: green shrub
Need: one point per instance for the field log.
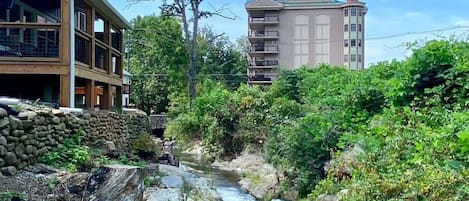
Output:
(70, 156)
(409, 116)
(145, 147)
(8, 196)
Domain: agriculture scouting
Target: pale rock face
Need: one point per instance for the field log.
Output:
(155, 194)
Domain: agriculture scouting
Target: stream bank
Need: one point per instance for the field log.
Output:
(248, 172)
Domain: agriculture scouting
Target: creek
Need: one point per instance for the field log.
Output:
(225, 182)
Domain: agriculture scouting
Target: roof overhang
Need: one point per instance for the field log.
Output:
(263, 5)
(110, 12)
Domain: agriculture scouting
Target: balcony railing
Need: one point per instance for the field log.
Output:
(264, 48)
(264, 34)
(267, 19)
(30, 41)
(264, 78)
(265, 63)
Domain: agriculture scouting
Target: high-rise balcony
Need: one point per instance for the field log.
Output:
(263, 64)
(263, 35)
(265, 78)
(264, 49)
(260, 22)
(265, 19)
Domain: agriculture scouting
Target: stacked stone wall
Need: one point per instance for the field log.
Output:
(37, 130)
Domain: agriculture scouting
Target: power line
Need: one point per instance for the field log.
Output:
(416, 33)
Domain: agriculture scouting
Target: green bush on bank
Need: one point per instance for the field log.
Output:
(410, 117)
(71, 155)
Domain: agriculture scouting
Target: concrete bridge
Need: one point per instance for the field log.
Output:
(158, 124)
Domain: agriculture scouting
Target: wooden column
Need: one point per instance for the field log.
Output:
(64, 35)
(108, 39)
(65, 90)
(93, 39)
(118, 97)
(90, 88)
(107, 97)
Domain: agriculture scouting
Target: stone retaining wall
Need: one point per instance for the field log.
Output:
(35, 131)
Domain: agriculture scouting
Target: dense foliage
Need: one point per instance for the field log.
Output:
(158, 62)
(71, 156)
(409, 117)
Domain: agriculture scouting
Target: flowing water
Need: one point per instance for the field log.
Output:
(226, 182)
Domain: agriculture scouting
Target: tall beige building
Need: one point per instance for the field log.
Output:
(293, 33)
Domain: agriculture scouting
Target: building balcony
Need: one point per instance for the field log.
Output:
(263, 35)
(263, 64)
(39, 41)
(266, 78)
(264, 20)
(260, 22)
(264, 49)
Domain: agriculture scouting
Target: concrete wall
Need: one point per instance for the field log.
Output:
(287, 36)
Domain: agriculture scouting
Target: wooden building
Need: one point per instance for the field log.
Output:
(65, 51)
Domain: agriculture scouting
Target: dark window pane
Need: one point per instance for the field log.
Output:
(116, 39)
(354, 11)
(101, 58)
(82, 50)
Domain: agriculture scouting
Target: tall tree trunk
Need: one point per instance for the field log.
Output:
(193, 55)
(190, 47)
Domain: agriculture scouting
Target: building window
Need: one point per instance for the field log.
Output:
(353, 42)
(346, 58)
(346, 28)
(359, 58)
(360, 27)
(353, 58)
(359, 42)
(116, 38)
(346, 12)
(100, 29)
(346, 43)
(80, 20)
(353, 11)
(359, 12)
(353, 27)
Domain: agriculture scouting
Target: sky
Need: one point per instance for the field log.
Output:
(406, 20)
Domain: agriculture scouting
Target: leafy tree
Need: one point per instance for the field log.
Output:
(220, 60)
(190, 13)
(156, 59)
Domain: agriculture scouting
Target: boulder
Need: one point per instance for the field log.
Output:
(119, 183)
(3, 113)
(109, 148)
(172, 181)
(155, 194)
(4, 122)
(27, 115)
(55, 120)
(342, 166)
(56, 112)
(3, 141)
(2, 162)
(10, 158)
(3, 150)
(201, 189)
(15, 123)
(5, 131)
(8, 171)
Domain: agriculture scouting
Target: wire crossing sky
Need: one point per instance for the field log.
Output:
(389, 23)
